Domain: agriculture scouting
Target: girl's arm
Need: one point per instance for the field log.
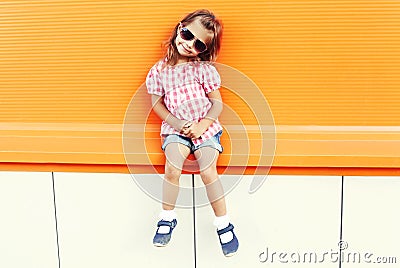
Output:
(197, 129)
(162, 112)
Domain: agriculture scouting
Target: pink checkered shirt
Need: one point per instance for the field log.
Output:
(185, 88)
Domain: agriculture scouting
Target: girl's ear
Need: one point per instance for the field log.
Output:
(180, 26)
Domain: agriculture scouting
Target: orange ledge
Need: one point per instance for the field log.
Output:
(93, 168)
(313, 150)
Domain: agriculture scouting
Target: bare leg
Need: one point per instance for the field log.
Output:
(207, 159)
(176, 155)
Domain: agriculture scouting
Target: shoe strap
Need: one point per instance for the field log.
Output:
(166, 223)
(226, 229)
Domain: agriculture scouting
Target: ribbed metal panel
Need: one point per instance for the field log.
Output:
(317, 62)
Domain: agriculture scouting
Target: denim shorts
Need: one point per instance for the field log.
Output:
(213, 142)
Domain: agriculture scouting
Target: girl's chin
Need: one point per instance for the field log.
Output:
(184, 54)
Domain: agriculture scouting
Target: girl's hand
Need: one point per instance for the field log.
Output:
(195, 130)
(185, 127)
(162, 111)
(181, 125)
(178, 124)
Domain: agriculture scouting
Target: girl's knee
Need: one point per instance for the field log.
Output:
(209, 174)
(172, 172)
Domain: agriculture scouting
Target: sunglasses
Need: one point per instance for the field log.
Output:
(188, 36)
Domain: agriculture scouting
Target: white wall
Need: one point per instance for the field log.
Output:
(106, 220)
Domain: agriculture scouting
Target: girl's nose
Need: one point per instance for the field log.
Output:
(190, 43)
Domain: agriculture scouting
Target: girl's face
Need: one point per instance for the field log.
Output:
(188, 48)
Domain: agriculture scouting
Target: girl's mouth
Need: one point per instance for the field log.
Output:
(187, 50)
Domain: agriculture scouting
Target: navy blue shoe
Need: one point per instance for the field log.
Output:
(161, 240)
(230, 248)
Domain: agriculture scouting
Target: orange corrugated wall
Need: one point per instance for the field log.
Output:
(317, 62)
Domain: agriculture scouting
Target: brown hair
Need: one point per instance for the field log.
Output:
(211, 23)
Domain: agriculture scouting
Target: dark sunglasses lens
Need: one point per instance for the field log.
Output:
(200, 46)
(186, 34)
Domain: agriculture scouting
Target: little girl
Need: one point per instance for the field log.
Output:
(184, 92)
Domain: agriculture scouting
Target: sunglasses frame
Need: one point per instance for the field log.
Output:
(183, 28)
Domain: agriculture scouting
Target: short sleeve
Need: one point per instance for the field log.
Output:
(211, 79)
(153, 82)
